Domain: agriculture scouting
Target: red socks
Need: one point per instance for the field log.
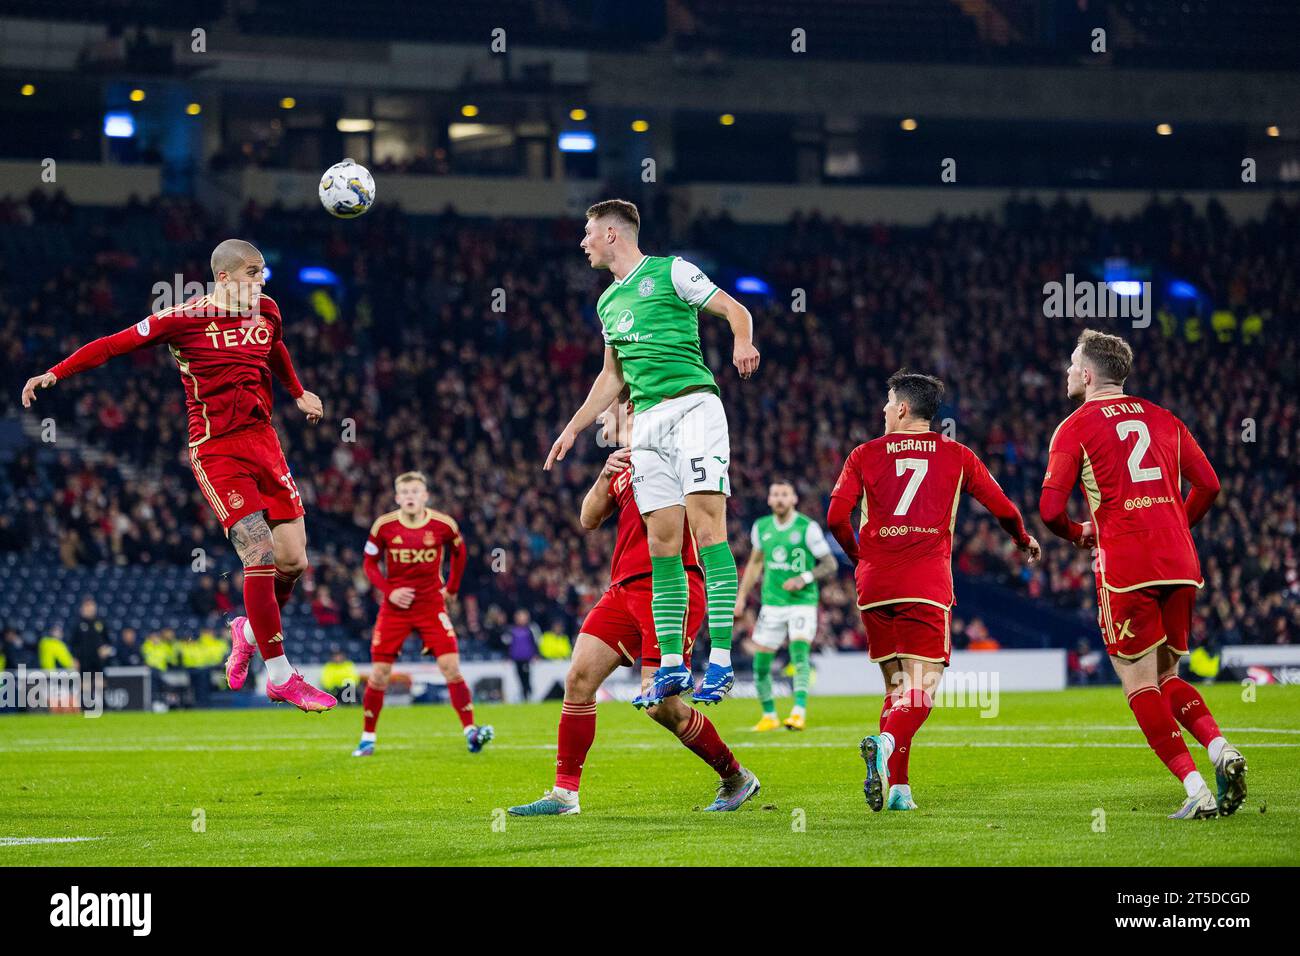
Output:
(1162, 733)
(577, 731)
(902, 722)
(1189, 709)
(461, 702)
(284, 588)
(372, 702)
(263, 610)
(701, 738)
(886, 707)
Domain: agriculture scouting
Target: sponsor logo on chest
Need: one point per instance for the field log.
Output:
(255, 331)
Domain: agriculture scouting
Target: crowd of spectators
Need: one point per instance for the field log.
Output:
(418, 368)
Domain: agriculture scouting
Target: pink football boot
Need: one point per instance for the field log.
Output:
(302, 695)
(241, 654)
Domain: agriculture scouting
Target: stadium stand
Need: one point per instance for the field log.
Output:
(405, 347)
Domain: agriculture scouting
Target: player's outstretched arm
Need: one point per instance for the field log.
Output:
(604, 390)
(743, 354)
(96, 353)
(598, 504)
(457, 566)
(984, 488)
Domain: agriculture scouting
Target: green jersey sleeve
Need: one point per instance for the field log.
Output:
(691, 284)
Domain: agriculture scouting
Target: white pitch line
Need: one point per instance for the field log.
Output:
(222, 743)
(30, 841)
(801, 745)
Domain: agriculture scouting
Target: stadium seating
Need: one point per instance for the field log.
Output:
(433, 379)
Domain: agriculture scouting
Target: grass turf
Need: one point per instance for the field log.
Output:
(1028, 787)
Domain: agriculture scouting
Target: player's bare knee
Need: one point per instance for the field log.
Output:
(580, 685)
(450, 671)
(293, 566)
(379, 676)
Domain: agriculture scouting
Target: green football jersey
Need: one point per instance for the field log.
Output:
(650, 318)
(788, 551)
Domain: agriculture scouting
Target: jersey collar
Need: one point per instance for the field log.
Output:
(635, 270)
(794, 516)
(419, 522)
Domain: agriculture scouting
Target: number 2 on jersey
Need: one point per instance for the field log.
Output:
(918, 467)
(1135, 469)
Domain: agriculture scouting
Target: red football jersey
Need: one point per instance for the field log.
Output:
(413, 554)
(632, 547)
(1129, 454)
(907, 486)
(225, 359)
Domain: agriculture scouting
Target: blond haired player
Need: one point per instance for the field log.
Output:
(412, 542)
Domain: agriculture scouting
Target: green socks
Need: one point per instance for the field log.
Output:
(802, 671)
(722, 583)
(763, 681)
(668, 605)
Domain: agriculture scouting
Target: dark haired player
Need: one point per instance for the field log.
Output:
(1130, 455)
(681, 449)
(907, 485)
(621, 628)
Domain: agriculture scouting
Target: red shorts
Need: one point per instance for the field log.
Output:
(245, 473)
(623, 620)
(908, 629)
(395, 625)
(1135, 622)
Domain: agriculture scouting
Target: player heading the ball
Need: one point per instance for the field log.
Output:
(227, 346)
(1130, 455)
(649, 318)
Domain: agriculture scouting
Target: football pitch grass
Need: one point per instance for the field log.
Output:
(1054, 779)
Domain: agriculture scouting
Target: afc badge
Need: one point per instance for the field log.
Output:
(236, 500)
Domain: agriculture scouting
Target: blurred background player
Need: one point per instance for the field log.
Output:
(789, 551)
(412, 542)
(681, 449)
(1130, 455)
(907, 485)
(622, 627)
(227, 345)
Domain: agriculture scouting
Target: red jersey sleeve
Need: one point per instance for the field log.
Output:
(373, 551)
(1064, 462)
(1198, 471)
(983, 487)
(457, 547)
(278, 358)
(151, 330)
(845, 496)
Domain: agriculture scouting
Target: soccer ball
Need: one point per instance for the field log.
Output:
(347, 190)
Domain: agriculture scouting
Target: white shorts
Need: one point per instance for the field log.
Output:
(679, 447)
(774, 623)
